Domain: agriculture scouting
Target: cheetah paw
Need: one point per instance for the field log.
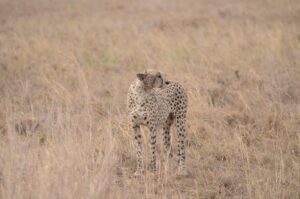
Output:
(138, 173)
(182, 172)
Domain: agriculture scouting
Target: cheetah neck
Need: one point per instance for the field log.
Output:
(141, 91)
(140, 88)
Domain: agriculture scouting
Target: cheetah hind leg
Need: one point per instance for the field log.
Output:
(181, 130)
(167, 136)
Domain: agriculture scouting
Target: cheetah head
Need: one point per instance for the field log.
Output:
(151, 79)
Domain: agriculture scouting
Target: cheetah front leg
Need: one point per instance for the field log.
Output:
(138, 139)
(153, 147)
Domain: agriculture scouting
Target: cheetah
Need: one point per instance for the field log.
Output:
(155, 103)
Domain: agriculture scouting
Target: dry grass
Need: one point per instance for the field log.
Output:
(65, 67)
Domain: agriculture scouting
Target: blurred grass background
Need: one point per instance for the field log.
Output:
(65, 67)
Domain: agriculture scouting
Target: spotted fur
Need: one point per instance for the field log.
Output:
(157, 103)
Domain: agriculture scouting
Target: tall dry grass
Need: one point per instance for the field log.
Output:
(65, 67)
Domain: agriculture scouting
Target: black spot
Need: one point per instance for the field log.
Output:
(145, 118)
(167, 82)
(134, 117)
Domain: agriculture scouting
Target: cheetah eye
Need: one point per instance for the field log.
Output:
(159, 76)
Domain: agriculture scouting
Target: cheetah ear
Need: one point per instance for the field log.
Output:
(141, 76)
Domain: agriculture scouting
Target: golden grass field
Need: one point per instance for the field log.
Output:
(65, 67)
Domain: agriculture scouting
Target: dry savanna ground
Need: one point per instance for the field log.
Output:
(65, 67)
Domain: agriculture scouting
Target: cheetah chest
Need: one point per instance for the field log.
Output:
(153, 110)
